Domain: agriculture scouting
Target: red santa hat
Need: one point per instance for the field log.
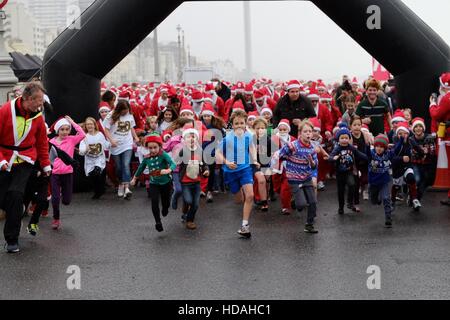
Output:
(104, 106)
(444, 80)
(321, 85)
(316, 123)
(208, 110)
(402, 126)
(207, 97)
(163, 88)
(154, 138)
(326, 97)
(398, 116)
(151, 85)
(248, 89)
(365, 128)
(187, 108)
(253, 115)
(355, 81)
(103, 86)
(284, 122)
(166, 134)
(125, 95)
(293, 84)
(197, 96)
(313, 94)
(259, 95)
(237, 105)
(191, 131)
(240, 87)
(266, 109)
(209, 88)
(418, 121)
(59, 123)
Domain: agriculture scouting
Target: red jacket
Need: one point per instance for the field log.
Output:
(156, 107)
(325, 117)
(34, 138)
(440, 113)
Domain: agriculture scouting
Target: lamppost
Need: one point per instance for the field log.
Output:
(180, 72)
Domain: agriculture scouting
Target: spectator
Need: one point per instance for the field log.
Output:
(293, 107)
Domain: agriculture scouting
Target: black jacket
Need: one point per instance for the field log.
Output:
(224, 92)
(301, 109)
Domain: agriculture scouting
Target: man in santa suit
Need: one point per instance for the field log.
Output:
(159, 103)
(150, 95)
(327, 100)
(23, 141)
(440, 117)
(263, 101)
(197, 102)
(217, 102)
(322, 113)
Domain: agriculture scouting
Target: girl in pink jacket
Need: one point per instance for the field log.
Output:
(62, 178)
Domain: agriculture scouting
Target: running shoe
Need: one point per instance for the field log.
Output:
(244, 231)
(32, 229)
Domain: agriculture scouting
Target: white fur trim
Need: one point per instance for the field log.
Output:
(104, 108)
(293, 86)
(266, 110)
(60, 123)
(398, 119)
(444, 85)
(207, 112)
(401, 128)
(415, 123)
(189, 131)
(47, 169)
(284, 124)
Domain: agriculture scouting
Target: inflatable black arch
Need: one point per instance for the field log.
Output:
(78, 59)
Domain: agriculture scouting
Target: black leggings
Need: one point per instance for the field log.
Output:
(98, 181)
(36, 192)
(162, 191)
(345, 179)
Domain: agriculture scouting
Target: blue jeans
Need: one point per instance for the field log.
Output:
(177, 191)
(382, 194)
(122, 162)
(191, 197)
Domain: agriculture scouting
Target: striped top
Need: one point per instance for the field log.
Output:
(298, 168)
(375, 112)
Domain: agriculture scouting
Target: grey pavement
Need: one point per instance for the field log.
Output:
(122, 256)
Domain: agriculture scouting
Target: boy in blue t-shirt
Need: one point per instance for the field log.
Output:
(238, 153)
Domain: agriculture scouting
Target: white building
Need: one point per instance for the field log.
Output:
(22, 32)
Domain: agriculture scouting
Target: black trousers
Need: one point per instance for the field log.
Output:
(98, 181)
(12, 189)
(36, 192)
(162, 191)
(345, 179)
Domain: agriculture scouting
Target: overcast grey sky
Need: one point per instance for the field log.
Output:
(214, 30)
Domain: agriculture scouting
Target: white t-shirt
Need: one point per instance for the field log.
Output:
(121, 132)
(163, 126)
(141, 153)
(93, 148)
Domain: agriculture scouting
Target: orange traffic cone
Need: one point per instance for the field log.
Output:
(442, 180)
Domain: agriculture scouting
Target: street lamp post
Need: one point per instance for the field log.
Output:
(180, 72)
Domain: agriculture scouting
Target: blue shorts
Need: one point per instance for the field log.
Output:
(235, 180)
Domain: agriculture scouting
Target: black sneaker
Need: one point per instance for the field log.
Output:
(293, 205)
(388, 223)
(165, 213)
(309, 228)
(341, 211)
(12, 248)
(159, 227)
(183, 218)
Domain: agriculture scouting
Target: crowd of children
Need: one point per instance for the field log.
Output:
(188, 151)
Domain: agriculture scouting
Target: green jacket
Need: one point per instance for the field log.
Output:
(156, 164)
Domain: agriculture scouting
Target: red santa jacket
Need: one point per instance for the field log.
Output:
(157, 106)
(32, 146)
(325, 118)
(440, 113)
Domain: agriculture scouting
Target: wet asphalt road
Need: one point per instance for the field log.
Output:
(121, 256)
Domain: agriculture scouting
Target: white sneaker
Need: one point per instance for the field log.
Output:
(244, 231)
(416, 204)
(321, 186)
(128, 193)
(121, 190)
(366, 195)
